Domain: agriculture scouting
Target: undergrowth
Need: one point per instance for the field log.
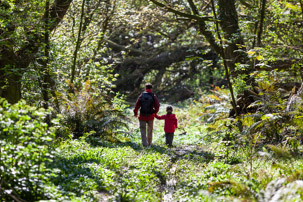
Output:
(214, 158)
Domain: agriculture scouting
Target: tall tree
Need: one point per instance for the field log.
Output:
(45, 72)
(224, 60)
(23, 19)
(262, 17)
(78, 43)
(228, 20)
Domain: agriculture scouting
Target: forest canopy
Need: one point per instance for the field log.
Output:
(177, 45)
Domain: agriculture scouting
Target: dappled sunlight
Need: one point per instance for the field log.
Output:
(151, 101)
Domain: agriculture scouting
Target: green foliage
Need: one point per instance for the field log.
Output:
(280, 152)
(226, 164)
(20, 22)
(25, 149)
(240, 142)
(269, 124)
(93, 110)
(215, 159)
(122, 172)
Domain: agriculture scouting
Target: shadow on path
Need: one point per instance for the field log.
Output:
(196, 153)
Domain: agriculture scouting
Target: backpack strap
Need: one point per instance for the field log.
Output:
(153, 95)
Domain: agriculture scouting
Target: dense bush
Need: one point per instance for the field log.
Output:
(93, 108)
(25, 147)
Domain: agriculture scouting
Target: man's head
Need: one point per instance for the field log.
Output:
(148, 86)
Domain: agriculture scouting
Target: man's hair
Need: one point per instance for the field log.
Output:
(169, 108)
(148, 86)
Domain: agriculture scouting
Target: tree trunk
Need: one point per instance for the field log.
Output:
(133, 70)
(46, 75)
(227, 14)
(262, 17)
(78, 44)
(223, 51)
(11, 88)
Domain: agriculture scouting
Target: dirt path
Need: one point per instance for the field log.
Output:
(169, 183)
(176, 154)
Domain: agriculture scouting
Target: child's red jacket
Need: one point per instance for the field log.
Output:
(171, 122)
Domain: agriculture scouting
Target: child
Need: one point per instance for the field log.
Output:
(171, 122)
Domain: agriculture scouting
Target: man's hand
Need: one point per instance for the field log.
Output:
(135, 113)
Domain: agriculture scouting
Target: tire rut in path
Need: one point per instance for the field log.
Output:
(169, 187)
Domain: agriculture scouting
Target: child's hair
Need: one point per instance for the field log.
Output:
(169, 109)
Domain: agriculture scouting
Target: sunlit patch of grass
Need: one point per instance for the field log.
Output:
(123, 171)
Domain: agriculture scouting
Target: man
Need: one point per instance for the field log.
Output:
(149, 105)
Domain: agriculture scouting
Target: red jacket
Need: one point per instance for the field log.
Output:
(171, 122)
(156, 106)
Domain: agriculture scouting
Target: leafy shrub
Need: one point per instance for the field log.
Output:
(93, 109)
(270, 124)
(24, 149)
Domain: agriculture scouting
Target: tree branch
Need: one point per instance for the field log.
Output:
(201, 22)
(133, 69)
(284, 64)
(78, 44)
(193, 7)
(193, 17)
(133, 51)
(246, 4)
(103, 29)
(56, 14)
(58, 11)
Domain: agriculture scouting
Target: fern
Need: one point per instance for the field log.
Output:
(91, 109)
(236, 188)
(280, 152)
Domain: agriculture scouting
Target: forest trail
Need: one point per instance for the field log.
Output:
(176, 154)
(169, 182)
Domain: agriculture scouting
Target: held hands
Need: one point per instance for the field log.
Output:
(154, 114)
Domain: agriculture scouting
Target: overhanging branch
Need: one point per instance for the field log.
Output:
(193, 17)
(123, 48)
(57, 12)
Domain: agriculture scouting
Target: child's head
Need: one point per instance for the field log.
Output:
(169, 109)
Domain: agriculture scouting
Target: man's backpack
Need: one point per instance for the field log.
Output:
(147, 101)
